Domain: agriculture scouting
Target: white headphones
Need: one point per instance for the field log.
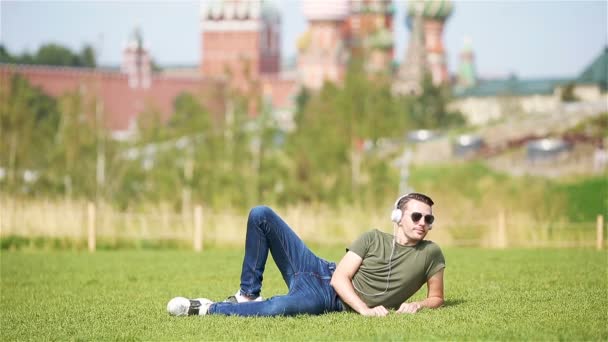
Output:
(396, 214)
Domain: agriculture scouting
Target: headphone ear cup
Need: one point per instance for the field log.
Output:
(396, 215)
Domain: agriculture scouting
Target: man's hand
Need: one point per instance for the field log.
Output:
(434, 297)
(379, 311)
(409, 308)
(342, 283)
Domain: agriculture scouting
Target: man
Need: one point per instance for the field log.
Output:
(379, 272)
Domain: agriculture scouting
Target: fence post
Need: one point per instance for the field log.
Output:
(600, 232)
(501, 230)
(198, 228)
(91, 226)
(1, 220)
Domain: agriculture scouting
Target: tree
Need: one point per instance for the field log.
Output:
(87, 57)
(330, 164)
(191, 125)
(189, 117)
(52, 54)
(429, 109)
(568, 94)
(170, 160)
(5, 56)
(28, 120)
(76, 140)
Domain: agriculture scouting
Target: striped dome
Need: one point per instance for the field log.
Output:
(372, 6)
(325, 10)
(437, 9)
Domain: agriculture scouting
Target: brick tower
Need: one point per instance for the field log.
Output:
(136, 62)
(240, 39)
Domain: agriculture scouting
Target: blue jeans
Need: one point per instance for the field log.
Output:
(306, 275)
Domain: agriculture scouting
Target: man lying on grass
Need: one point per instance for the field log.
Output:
(379, 272)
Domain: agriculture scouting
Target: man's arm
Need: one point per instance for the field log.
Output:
(341, 281)
(434, 297)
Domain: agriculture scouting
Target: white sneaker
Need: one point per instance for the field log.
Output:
(181, 306)
(239, 298)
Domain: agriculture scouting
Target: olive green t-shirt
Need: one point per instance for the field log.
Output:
(410, 268)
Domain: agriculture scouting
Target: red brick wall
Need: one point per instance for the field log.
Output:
(282, 91)
(121, 103)
(230, 49)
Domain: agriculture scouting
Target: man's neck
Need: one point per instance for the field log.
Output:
(404, 241)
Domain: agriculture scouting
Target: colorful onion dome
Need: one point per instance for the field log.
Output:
(304, 41)
(436, 9)
(372, 6)
(334, 10)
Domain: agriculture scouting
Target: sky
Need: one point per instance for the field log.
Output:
(530, 39)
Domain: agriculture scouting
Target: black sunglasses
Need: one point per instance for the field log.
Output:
(428, 219)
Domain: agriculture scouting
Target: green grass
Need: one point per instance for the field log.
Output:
(585, 198)
(115, 295)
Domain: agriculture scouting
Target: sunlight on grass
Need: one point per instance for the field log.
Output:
(490, 295)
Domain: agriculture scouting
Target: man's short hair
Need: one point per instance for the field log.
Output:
(414, 196)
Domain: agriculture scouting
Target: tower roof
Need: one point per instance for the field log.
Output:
(136, 40)
(511, 86)
(597, 71)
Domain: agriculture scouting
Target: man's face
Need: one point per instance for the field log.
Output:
(415, 231)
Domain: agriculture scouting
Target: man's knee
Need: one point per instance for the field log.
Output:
(260, 212)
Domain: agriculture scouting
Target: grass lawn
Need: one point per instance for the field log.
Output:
(491, 295)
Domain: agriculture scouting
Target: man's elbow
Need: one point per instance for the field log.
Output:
(333, 281)
(336, 280)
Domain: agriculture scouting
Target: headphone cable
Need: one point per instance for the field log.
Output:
(390, 260)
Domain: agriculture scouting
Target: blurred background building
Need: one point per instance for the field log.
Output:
(241, 51)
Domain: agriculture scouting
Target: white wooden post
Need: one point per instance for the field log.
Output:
(198, 228)
(91, 226)
(501, 231)
(600, 232)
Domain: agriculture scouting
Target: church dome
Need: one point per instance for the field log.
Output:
(372, 6)
(436, 9)
(325, 10)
